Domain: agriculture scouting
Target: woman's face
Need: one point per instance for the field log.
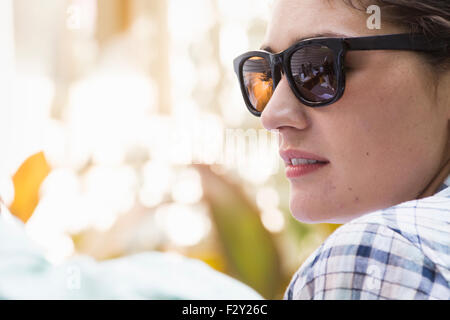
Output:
(385, 139)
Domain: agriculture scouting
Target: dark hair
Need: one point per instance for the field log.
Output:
(428, 17)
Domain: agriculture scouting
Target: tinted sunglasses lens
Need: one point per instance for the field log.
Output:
(258, 82)
(314, 74)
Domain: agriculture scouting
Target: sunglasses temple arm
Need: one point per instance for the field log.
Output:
(396, 42)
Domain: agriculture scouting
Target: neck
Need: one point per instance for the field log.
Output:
(437, 181)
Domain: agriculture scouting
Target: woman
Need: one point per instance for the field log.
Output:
(363, 119)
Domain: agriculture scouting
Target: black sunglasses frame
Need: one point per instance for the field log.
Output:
(280, 62)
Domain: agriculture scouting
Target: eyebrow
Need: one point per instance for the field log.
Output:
(317, 35)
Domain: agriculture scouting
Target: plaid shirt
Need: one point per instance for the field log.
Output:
(402, 252)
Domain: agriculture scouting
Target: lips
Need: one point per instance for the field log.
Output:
(289, 154)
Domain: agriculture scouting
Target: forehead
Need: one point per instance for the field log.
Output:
(295, 19)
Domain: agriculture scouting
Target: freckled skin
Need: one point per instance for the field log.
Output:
(386, 137)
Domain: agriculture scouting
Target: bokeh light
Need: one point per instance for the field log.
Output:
(136, 107)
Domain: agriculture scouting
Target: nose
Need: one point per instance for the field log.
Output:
(284, 109)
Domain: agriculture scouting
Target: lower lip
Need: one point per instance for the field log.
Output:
(302, 169)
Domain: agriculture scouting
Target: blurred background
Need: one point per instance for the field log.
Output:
(123, 130)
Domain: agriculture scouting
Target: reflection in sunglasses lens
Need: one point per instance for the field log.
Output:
(258, 82)
(313, 70)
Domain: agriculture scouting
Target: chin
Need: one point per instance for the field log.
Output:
(306, 214)
(307, 218)
(313, 214)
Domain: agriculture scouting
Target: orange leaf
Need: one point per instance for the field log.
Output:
(27, 181)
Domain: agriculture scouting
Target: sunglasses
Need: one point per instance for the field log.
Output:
(314, 67)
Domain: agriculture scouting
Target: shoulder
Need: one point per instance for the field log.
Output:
(402, 252)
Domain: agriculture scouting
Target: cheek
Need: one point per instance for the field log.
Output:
(385, 133)
(389, 115)
(378, 139)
